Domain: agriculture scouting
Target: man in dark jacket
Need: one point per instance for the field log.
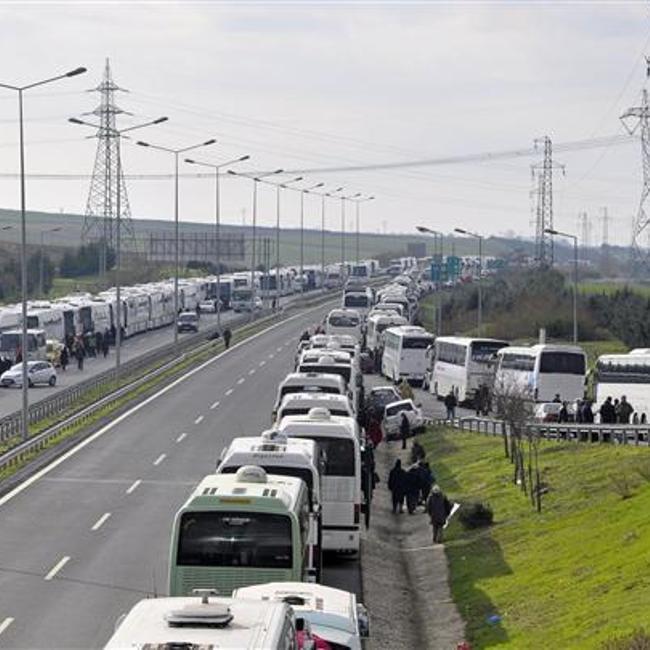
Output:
(396, 480)
(624, 411)
(412, 488)
(227, 334)
(438, 508)
(607, 412)
(404, 429)
(451, 402)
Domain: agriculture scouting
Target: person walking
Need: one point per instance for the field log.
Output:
(451, 402)
(587, 413)
(404, 429)
(438, 509)
(99, 341)
(427, 479)
(417, 452)
(63, 358)
(79, 354)
(405, 390)
(607, 412)
(563, 415)
(624, 411)
(105, 344)
(412, 486)
(396, 480)
(227, 335)
(374, 431)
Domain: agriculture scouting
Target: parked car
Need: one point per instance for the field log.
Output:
(378, 397)
(187, 321)
(208, 306)
(550, 412)
(38, 372)
(393, 418)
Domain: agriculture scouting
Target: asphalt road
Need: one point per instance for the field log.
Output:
(11, 400)
(86, 540)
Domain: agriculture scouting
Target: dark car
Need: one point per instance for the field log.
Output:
(187, 322)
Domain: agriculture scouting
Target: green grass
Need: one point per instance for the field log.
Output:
(613, 287)
(569, 578)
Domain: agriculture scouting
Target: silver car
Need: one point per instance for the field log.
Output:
(38, 372)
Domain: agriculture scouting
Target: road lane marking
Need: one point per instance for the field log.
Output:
(214, 406)
(160, 459)
(181, 437)
(241, 380)
(279, 349)
(101, 521)
(262, 363)
(271, 356)
(198, 420)
(57, 567)
(251, 371)
(5, 624)
(229, 391)
(19, 489)
(134, 486)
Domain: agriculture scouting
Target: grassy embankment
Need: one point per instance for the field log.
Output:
(571, 577)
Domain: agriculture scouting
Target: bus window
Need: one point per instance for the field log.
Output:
(339, 456)
(562, 363)
(415, 343)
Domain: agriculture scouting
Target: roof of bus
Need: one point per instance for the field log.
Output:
(334, 425)
(409, 330)
(466, 340)
(283, 489)
(316, 399)
(313, 379)
(534, 350)
(343, 312)
(256, 624)
(629, 359)
(383, 317)
(310, 355)
(288, 448)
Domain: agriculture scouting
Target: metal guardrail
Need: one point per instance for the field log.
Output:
(635, 434)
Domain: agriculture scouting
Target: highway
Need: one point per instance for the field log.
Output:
(89, 536)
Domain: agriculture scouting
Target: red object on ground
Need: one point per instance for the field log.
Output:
(464, 646)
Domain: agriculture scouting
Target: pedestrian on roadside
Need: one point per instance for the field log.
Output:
(412, 485)
(374, 431)
(417, 452)
(79, 354)
(63, 358)
(227, 335)
(616, 403)
(99, 341)
(405, 390)
(579, 407)
(625, 410)
(274, 303)
(563, 415)
(19, 355)
(427, 479)
(113, 334)
(404, 429)
(396, 486)
(587, 413)
(105, 346)
(607, 412)
(451, 402)
(557, 399)
(438, 508)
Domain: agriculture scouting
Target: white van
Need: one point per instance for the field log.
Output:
(338, 438)
(302, 403)
(208, 622)
(344, 321)
(334, 615)
(11, 342)
(360, 300)
(406, 353)
(309, 382)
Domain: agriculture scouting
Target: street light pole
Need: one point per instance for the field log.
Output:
(551, 231)
(480, 272)
(357, 202)
(437, 256)
(278, 190)
(176, 153)
(343, 200)
(217, 231)
(119, 134)
(302, 232)
(23, 237)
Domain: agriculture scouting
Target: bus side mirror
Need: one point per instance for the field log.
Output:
(363, 621)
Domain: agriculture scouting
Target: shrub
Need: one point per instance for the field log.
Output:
(638, 640)
(476, 515)
(621, 485)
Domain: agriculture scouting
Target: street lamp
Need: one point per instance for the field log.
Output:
(278, 189)
(480, 272)
(437, 255)
(23, 233)
(176, 153)
(322, 229)
(358, 201)
(217, 169)
(302, 232)
(256, 180)
(551, 231)
(343, 199)
(40, 260)
(118, 135)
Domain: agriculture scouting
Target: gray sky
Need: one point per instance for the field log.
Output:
(308, 85)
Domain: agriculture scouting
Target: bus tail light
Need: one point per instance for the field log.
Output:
(357, 513)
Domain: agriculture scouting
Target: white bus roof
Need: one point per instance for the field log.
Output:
(313, 379)
(387, 317)
(278, 448)
(466, 340)
(255, 624)
(319, 421)
(409, 330)
(637, 359)
(309, 355)
(344, 312)
(327, 400)
(534, 350)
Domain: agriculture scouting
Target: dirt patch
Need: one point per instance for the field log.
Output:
(405, 578)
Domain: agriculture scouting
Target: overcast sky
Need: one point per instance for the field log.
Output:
(308, 85)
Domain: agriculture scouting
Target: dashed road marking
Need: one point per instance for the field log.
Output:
(101, 521)
(57, 567)
(262, 363)
(198, 420)
(271, 356)
(134, 486)
(181, 437)
(279, 349)
(251, 371)
(229, 391)
(241, 380)
(5, 624)
(160, 459)
(214, 406)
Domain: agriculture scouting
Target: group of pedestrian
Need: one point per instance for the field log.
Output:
(618, 412)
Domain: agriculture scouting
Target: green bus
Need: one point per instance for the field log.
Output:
(241, 529)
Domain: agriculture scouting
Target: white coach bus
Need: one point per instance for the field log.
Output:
(543, 371)
(625, 374)
(462, 365)
(405, 353)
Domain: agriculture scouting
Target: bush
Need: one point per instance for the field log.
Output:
(638, 640)
(476, 515)
(620, 484)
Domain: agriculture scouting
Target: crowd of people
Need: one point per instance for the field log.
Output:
(611, 411)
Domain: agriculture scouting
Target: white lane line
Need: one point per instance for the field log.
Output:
(214, 406)
(229, 391)
(160, 459)
(271, 356)
(262, 364)
(279, 349)
(57, 567)
(101, 521)
(181, 437)
(19, 489)
(198, 420)
(251, 371)
(241, 380)
(5, 624)
(134, 486)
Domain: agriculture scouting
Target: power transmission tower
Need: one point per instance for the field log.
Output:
(101, 207)
(543, 172)
(635, 119)
(584, 227)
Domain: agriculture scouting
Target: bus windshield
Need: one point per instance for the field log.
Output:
(330, 390)
(413, 343)
(566, 363)
(235, 539)
(305, 410)
(356, 301)
(339, 456)
(342, 370)
(484, 351)
(343, 321)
